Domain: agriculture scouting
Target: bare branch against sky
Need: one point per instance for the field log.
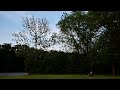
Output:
(10, 22)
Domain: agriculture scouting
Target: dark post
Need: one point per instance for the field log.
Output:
(113, 69)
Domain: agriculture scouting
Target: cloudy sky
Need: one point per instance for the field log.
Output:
(11, 21)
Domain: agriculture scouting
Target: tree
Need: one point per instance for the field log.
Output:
(109, 41)
(35, 33)
(77, 32)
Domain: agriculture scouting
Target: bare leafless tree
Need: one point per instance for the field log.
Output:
(35, 32)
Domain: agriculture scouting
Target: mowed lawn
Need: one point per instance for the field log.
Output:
(39, 76)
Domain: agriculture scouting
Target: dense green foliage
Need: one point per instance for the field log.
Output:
(16, 59)
(9, 61)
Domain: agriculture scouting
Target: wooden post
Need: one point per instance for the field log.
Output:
(113, 69)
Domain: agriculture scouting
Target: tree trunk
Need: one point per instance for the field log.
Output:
(35, 54)
(35, 45)
(91, 69)
(113, 69)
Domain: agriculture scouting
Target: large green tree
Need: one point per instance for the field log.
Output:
(77, 32)
(108, 43)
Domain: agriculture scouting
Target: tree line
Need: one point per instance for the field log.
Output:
(90, 41)
(16, 59)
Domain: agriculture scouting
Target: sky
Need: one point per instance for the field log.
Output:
(11, 22)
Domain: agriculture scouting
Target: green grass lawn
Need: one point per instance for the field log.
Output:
(39, 76)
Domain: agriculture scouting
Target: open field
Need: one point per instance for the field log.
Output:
(41, 76)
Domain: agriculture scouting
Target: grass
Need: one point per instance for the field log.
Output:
(39, 76)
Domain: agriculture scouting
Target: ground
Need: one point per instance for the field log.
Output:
(39, 76)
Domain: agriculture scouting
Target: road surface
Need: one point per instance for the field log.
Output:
(13, 74)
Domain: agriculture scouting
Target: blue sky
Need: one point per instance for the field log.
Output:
(10, 22)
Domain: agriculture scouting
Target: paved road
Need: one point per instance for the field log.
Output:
(13, 74)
